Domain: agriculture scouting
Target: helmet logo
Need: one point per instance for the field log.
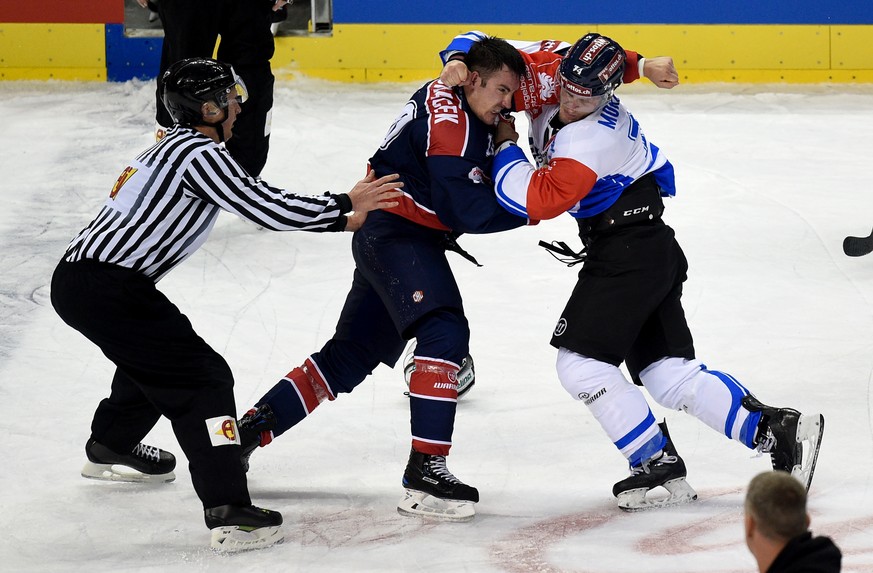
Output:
(575, 88)
(611, 67)
(596, 46)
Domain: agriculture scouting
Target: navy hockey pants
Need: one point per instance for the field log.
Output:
(403, 288)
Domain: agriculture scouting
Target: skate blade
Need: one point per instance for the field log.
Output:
(419, 504)
(635, 499)
(810, 429)
(118, 472)
(232, 539)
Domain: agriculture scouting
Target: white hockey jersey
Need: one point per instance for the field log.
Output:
(582, 167)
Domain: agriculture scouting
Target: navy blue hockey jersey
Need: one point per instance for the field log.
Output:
(443, 154)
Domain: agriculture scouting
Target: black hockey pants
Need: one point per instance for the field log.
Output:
(163, 368)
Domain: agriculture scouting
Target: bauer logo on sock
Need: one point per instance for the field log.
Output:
(222, 431)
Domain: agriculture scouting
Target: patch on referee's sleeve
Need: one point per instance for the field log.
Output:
(222, 431)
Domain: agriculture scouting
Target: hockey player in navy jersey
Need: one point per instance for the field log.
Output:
(595, 162)
(403, 286)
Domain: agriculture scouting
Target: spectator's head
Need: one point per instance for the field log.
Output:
(590, 73)
(775, 513)
(496, 69)
(203, 92)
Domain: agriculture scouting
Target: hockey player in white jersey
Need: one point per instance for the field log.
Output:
(595, 162)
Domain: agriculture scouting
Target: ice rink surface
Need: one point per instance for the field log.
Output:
(770, 180)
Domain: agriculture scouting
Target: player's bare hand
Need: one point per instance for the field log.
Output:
(661, 72)
(143, 3)
(455, 73)
(281, 4)
(506, 130)
(370, 193)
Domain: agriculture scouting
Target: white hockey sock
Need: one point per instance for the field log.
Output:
(618, 405)
(711, 396)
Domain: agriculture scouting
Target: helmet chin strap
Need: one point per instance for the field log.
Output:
(219, 129)
(217, 126)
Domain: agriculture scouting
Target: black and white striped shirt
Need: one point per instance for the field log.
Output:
(163, 206)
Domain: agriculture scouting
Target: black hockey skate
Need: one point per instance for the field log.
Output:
(666, 469)
(255, 429)
(143, 464)
(782, 433)
(432, 490)
(240, 528)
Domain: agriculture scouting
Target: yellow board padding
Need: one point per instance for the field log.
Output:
(851, 47)
(702, 53)
(67, 74)
(359, 75)
(52, 46)
(729, 47)
(776, 76)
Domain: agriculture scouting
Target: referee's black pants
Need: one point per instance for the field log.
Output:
(163, 368)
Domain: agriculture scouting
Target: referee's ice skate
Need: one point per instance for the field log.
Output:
(241, 528)
(143, 464)
(792, 439)
(666, 469)
(432, 490)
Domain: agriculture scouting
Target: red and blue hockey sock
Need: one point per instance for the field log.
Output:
(296, 396)
(433, 399)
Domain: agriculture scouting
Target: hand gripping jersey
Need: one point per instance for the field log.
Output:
(543, 61)
(443, 153)
(584, 166)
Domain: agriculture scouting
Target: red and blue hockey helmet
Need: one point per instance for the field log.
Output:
(593, 67)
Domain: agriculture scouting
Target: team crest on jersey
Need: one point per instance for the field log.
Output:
(417, 296)
(549, 45)
(122, 179)
(547, 86)
(222, 431)
(476, 175)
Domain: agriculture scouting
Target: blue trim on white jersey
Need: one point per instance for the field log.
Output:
(664, 175)
(461, 43)
(503, 161)
(603, 195)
